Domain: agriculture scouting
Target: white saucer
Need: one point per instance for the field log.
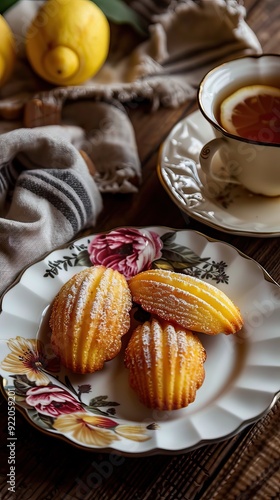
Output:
(236, 210)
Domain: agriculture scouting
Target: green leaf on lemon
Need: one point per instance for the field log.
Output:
(6, 4)
(119, 12)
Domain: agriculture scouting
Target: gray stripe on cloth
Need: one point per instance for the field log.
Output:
(8, 175)
(70, 186)
(47, 193)
(77, 187)
(52, 197)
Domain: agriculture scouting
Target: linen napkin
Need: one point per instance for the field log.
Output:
(47, 194)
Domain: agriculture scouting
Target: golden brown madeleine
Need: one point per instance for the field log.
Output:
(166, 364)
(89, 316)
(186, 300)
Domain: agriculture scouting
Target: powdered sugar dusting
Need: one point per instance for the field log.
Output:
(81, 295)
(146, 345)
(165, 363)
(89, 316)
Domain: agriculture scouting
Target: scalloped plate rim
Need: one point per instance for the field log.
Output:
(155, 450)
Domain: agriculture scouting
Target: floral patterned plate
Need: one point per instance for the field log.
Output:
(100, 411)
(226, 207)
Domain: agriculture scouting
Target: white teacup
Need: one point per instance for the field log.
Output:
(255, 164)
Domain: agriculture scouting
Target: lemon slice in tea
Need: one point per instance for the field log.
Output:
(253, 112)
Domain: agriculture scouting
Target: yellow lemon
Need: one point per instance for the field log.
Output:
(253, 112)
(67, 42)
(7, 51)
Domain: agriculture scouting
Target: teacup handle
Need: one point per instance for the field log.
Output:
(206, 157)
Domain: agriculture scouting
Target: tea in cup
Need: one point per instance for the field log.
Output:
(241, 101)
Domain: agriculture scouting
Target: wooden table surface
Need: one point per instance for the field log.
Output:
(243, 467)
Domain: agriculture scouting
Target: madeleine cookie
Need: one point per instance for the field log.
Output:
(166, 364)
(185, 300)
(89, 316)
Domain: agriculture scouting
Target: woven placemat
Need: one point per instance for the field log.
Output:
(253, 470)
(245, 467)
